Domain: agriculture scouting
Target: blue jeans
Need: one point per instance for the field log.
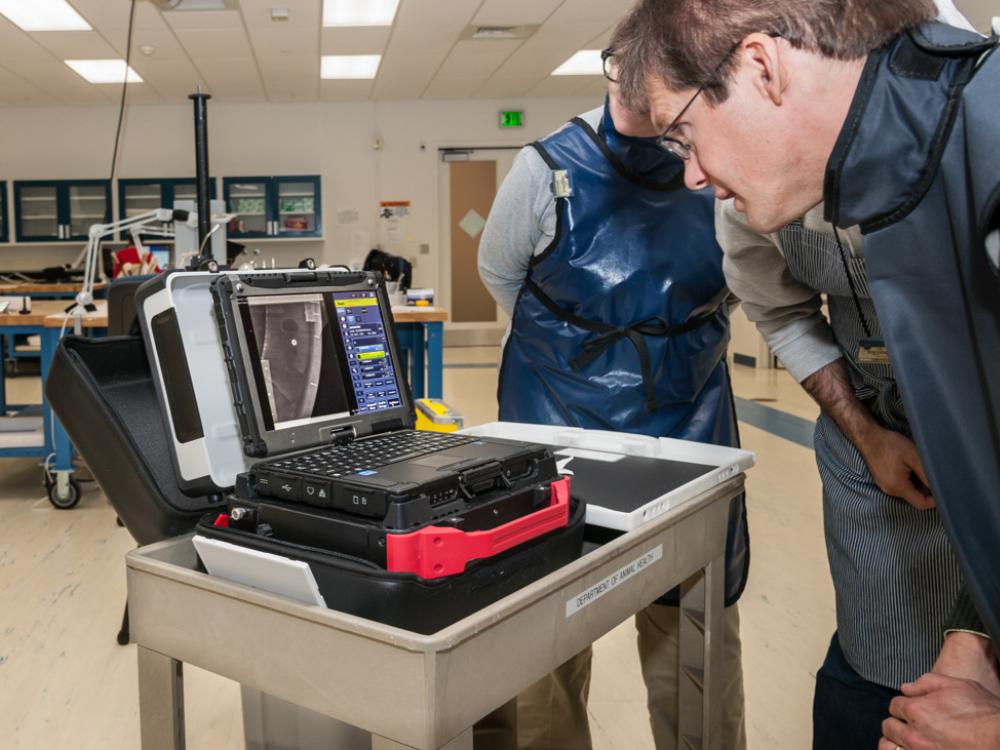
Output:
(847, 709)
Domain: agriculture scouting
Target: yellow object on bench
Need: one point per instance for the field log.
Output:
(435, 415)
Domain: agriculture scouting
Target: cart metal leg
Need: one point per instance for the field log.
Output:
(462, 742)
(700, 689)
(161, 701)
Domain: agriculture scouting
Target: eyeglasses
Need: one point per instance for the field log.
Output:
(609, 67)
(676, 147)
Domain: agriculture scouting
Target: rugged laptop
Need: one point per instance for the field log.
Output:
(324, 407)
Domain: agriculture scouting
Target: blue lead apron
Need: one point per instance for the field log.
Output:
(622, 323)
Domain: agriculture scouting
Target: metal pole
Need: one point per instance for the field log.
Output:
(201, 163)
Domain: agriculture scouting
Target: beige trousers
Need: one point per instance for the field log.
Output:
(552, 713)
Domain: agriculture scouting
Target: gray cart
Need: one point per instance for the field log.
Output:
(426, 692)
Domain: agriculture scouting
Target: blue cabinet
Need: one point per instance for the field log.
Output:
(142, 195)
(4, 229)
(54, 210)
(286, 206)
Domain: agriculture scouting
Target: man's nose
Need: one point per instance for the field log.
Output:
(694, 177)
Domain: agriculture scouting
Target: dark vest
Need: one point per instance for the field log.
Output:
(621, 323)
(917, 165)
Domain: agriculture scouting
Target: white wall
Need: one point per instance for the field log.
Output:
(334, 140)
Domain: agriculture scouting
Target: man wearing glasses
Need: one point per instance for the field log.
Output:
(880, 128)
(610, 271)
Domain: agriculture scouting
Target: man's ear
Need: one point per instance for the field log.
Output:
(765, 66)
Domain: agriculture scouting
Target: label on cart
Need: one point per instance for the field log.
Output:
(623, 575)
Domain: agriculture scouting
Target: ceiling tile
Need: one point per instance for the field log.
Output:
(403, 76)
(595, 88)
(365, 40)
(165, 44)
(75, 45)
(400, 86)
(297, 65)
(232, 78)
(288, 78)
(110, 17)
(421, 14)
(203, 44)
(141, 94)
(452, 88)
(601, 41)
(171, 79)
(504, 88)
(15, 91)
(243, 55)
(298, 35)
(475, 58)
(514, 12)
(215, 19)
(342, 91)
(576, 16)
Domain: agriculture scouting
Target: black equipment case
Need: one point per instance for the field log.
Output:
(422, 578)
(359, 584)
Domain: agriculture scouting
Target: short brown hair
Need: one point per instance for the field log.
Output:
(682, 41)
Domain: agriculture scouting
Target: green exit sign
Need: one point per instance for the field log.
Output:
(513, 119)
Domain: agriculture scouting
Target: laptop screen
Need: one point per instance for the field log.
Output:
(318, 356)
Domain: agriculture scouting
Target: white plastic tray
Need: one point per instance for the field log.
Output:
(725, 464)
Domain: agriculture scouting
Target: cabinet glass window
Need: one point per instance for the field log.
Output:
(296, 207)
(248, 200)
(39, 211)
(88, 204)
(3, 212)
(140, 199)
(186, 191)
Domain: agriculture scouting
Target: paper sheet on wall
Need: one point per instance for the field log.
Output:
(347, 216)
(393, 221)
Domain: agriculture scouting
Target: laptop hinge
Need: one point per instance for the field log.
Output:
(342, 435)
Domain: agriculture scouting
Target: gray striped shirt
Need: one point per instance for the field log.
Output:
(894, 573)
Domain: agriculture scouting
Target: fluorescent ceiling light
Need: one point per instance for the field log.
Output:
(349, 66)
(104, 71)
(43, 15)
(586, 62)
(359, 12)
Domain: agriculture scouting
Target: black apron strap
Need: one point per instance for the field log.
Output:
(608, 334)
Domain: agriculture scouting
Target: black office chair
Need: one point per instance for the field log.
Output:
(102, 391)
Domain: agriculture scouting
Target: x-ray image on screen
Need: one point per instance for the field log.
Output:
(296, 360)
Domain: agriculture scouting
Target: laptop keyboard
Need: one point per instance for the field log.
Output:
(369, 454)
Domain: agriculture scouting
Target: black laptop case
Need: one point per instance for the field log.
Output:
(360, 586)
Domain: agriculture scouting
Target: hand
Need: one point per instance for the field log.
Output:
(896, 467)
(942, 713)
(967, 656)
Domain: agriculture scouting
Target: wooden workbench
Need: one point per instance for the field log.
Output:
(40, 310)
(40, 287)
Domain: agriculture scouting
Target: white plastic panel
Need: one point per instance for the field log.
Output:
(728, 462)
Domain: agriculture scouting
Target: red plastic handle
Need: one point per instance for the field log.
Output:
(438, 551)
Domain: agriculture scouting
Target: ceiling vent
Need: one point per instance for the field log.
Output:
(196, 5)
(502, 33)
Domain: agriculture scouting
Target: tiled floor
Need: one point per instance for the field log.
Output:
(64, 682)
